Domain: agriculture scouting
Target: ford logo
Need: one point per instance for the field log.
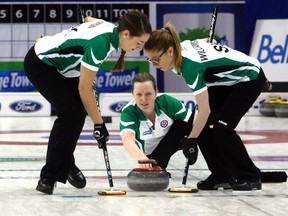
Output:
(118, 106)
(25, 106)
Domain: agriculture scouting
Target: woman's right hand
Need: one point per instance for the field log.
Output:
(146, 165)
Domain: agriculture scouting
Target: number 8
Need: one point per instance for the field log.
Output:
(52, 13)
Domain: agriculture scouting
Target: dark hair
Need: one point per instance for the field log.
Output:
(144, 77)
(137, 23)
(164, 38)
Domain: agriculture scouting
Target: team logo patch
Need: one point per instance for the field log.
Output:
(164, 123)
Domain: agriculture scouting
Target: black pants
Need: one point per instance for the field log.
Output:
(221, 146)
(63, 94)
(170, 143)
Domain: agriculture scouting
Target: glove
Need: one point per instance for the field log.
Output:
(101, 134)
(190, 149)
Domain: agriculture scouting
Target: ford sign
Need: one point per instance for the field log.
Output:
(25, 106)
(118, 106)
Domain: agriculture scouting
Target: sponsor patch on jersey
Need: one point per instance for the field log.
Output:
(147, 132)
(164, 123)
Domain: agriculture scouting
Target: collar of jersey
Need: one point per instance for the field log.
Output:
(156, 109)
(178, 73)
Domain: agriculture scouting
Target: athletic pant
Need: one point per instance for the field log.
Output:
(171, 142)
(63, 94)
(221, 146)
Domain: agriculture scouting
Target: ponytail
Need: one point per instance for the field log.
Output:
(119, 65)
(176, 45)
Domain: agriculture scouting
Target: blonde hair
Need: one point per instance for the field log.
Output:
(164, 38)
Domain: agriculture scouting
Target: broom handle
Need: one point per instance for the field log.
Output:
(185, 174)
(105, 151)
(81, 15)
(107, 164)
(213, 23)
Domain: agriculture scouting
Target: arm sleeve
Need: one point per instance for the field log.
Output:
(95, 53)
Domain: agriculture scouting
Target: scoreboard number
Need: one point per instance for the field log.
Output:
(53, 13)
(5, 14)
(103, 11)
(19, 13)
(36, 13)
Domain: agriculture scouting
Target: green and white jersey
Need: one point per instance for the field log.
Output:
(205, 64)
(167, 109)
(88, 44)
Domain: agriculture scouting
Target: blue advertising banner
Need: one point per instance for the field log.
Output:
(14, 81)
(115, 81)
(17, 81)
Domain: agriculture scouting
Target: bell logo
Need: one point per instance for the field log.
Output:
(275, 54)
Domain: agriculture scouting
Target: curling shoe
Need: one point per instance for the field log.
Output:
(46, 185)
(244, 185)
(76, 178)
(212, 183)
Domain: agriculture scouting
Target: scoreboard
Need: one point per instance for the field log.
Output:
(22, 24)
(64, 13)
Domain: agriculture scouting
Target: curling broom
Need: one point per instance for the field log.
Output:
(112, 190)
(184, 189)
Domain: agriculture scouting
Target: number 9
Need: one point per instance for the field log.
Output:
(69, 13)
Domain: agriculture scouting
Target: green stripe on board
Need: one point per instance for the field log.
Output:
(143, 65)
(11, 66)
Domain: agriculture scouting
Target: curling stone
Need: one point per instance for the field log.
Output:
(267, 107)
(148, 179)
(281, 109)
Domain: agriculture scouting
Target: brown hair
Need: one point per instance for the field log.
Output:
(137, 24)
(143, 77)
(164, 38)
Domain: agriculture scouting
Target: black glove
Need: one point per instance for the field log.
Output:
(101, 134)
(190, 149)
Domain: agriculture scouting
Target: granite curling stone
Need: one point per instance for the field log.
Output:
(142, 179)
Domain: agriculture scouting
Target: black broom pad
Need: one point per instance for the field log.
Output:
(273, 176)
